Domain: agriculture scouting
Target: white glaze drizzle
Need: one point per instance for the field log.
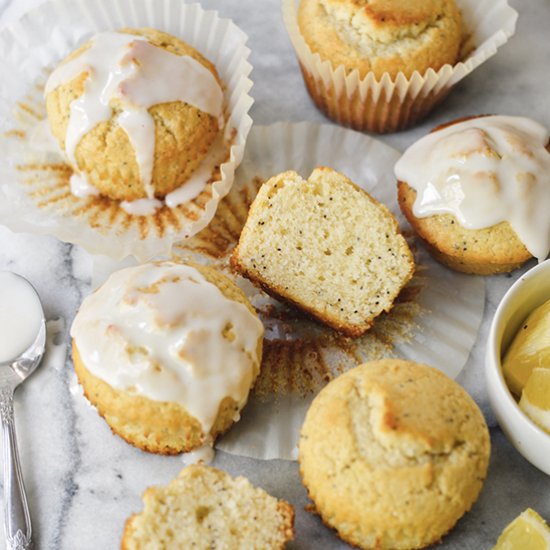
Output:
(20, 316)
(191, 189)
(128, 70)
(141, 207)
(485, 171)
(81, 187)
(156, 330)
(204, 454)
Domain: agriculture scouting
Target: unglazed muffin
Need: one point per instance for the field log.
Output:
(326, 246)
(207, 508)
(112, 156)
(382, 36)
(392, 454)
(167, 353)
(484, 193)
(379, 65)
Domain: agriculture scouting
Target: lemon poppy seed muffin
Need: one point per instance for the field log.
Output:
(145, 136)
(477, 192)
(487, 251)
(326, 246)
(207, 508)
(382, 36)
(392, 454)
(167, 353)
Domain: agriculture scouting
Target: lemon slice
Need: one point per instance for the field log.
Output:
(535, 399)
(530, 349)
(527, 532)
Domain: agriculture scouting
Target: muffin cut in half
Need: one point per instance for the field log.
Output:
(207, 508)
(326, 246)
(167, 353)
(392, 454)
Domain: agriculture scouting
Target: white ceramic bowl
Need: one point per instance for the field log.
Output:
(528, 292)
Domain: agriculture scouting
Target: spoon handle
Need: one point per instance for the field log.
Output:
(17, 518)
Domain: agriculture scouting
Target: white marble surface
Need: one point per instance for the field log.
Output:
(83, 482)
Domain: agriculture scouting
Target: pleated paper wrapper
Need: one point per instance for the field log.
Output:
(435, 319)
(389, 105)
(34, 181)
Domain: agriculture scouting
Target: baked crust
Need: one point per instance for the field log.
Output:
(392, 454)
(382, 36)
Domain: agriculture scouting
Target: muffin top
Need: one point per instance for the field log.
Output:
(393, 453)
(484, 171)
(171, 332)
(382, 36)
(128, 105)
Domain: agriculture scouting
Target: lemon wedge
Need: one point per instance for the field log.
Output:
(529, 349)
(527, 532)
(535, 399)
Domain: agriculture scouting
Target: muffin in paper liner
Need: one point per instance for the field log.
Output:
(389, 105)
(434, 321)
(34, 180)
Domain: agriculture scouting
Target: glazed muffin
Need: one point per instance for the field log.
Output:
(382, 36)
(167, 353)
(206, 508)
(326, 246)
(392, 454)
(154, 107)
(476, 192)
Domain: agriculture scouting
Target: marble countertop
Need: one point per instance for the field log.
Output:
(83, 482)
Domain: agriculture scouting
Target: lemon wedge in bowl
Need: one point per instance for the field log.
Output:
(529, 349)
(527, 532)
(535, 398)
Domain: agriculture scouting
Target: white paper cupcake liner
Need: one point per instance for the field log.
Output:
(435, 319)
(388, 105)
(34, 182)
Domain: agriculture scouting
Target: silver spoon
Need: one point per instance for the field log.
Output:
(12, 373)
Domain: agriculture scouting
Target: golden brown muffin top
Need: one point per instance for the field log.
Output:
(383, 35)
(393, 453)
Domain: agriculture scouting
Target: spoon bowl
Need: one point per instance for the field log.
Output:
(17, 370)
(16, 290)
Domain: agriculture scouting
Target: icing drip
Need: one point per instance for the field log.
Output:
(129, 71)
(164, 332)
(485, 171)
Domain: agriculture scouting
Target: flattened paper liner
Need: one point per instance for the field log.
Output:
(389, 105)
(435, 319)
(34, 182)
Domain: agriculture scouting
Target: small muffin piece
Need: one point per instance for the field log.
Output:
(382, 36)
(114, 156)
(393, 453)
(167, 353)
(476, 192)
(326, 246)
(206, 508)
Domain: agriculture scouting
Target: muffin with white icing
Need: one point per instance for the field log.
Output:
(136, 113)
(167, 353)
(477, 192)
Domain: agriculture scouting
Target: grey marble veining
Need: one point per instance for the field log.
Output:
(83, 482)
